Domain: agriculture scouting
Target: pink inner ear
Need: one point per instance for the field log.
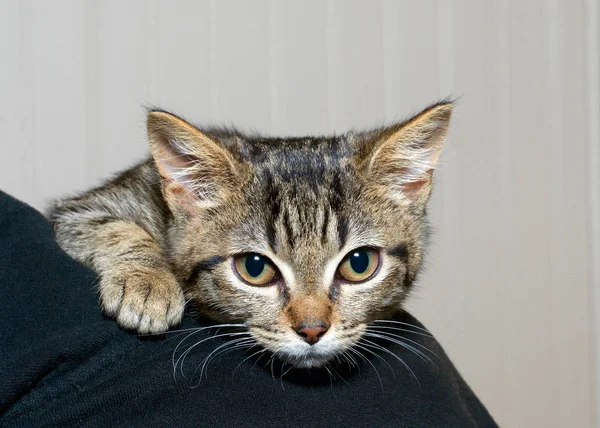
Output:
(184, 173)
(177, 171)
(172, 163)
(185, 197)
(412, 188)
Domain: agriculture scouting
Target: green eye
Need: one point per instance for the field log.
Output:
(255, 269)
(359, 265)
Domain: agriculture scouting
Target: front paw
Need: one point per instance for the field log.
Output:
(148, 300)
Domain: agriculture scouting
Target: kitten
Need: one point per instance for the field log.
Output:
(305, 240)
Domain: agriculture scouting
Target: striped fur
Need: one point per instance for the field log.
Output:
(166, 230)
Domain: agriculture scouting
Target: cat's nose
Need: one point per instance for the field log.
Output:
(311, 332)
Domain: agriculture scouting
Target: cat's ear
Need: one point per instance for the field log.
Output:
(197, 172)
(403, 157)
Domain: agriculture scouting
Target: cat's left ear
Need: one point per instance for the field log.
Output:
(403, 157)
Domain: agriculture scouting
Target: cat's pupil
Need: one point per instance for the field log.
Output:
(359, 261)
(255, 264)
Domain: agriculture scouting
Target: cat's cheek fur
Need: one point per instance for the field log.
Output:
(232, 300)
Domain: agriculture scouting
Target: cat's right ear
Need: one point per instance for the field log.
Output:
(197, 172)
(400, 160)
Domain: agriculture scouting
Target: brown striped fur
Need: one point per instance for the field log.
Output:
(166, 230)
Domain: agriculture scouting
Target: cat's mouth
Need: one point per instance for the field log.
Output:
(291, 350)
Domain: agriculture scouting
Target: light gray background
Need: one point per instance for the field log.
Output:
(511, 288)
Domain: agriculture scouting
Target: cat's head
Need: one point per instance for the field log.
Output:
(305, 240)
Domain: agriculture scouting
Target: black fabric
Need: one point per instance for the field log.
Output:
(63, 364)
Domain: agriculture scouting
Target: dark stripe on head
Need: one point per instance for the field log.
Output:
(270, 231)
(271, 197)
(337, 202)
(325, 225)
(342, 229)
(270, 226)
(338, 206)
(100, 221)
(203, 266)
(399, 251)
(289, 231)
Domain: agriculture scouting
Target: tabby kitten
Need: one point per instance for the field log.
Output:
(304, 240)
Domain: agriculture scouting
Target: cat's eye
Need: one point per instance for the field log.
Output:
(255, 269)
(359, 265)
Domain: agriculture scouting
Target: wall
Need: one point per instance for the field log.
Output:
(508, 289)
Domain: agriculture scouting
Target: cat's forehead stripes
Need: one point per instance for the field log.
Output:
(294, 160)
(304, 218)
(302, 193)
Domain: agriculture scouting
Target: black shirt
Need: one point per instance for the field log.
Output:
(63, 364)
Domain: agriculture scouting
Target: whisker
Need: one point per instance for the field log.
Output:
(420, 354)
(183, 330)
(283, 374)
(220, 353)
(215, 352)
(181, 333)
(271, 361)
(183, 356)
(368, 361)
(386, 327)
(376, 346)
(247, 345)
(351, 360)
(337, 358)
(330, 375)
(338, 375)
(288, 370)
(258, 359)
(403, 323)
(343, 358)
(173, 362)
(194, 331)
(398, 336)
(247, 358)
(378, 356)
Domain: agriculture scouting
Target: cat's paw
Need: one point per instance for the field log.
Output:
(147, 300)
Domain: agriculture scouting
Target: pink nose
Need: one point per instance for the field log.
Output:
(311, 332)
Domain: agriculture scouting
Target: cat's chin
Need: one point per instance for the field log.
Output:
(307, 362)
(308, 359)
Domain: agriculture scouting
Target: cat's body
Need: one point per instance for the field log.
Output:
(303, 240)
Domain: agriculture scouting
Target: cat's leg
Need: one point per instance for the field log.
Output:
(136, 286)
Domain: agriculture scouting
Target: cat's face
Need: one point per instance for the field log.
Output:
(304, 240)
